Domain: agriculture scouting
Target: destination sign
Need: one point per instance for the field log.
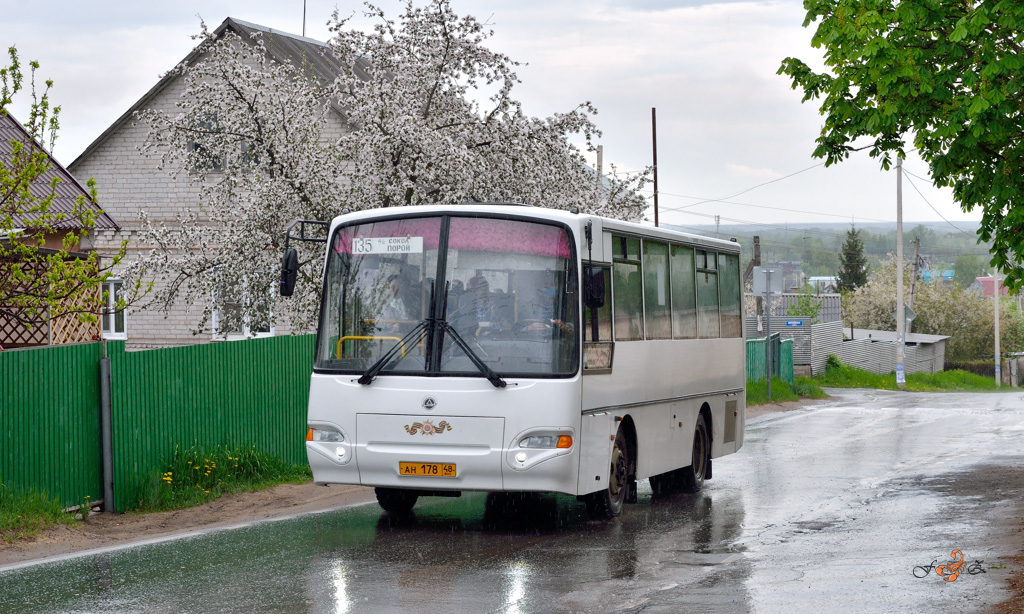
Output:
(387, 245)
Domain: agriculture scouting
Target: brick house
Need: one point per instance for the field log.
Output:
(129, 182)
(66, 190)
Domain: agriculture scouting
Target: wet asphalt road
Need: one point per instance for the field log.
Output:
(826, 508)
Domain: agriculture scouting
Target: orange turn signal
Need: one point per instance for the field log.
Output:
(564, 441)
(309, 435)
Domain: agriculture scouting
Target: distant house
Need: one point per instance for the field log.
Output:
(824, 284)
(985, 286)
(130, 182)
(943, 276)
(66, 191)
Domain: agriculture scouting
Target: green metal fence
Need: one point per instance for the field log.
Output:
(251, 392)
(786, 361)
(240, 393)
(782, 358)
(50, 421)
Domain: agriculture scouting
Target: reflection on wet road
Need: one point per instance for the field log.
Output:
(824, 508)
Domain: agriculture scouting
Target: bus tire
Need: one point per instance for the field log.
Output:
(692, 477)
(395, 500)
(607, 503)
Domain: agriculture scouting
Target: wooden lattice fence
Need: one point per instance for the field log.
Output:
(64, 329)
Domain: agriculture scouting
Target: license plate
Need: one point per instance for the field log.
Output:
(428, 470)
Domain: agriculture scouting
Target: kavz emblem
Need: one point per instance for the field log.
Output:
(427, 427)
(429, 403)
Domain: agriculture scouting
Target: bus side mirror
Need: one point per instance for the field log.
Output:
(594, 287)
(289, 270)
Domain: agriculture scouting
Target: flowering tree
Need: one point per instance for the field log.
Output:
(250, 135)
(942, 309)
(429, 117)
(39, 284)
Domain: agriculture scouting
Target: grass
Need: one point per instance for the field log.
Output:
(839, 375)
(197, 475)
(808, 387)
(757, 391)
(23, 513)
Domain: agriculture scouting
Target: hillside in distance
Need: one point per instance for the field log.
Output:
(816, 247)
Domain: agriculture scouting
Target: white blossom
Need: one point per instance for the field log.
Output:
(431, 119)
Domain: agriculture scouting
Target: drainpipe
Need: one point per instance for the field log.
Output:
(106, 433)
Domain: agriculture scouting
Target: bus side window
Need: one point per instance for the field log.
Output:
(656, 290)
(627, 301)
(729, 290)
(709, 324)
(684, 294)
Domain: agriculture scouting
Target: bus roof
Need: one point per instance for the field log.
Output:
(573, 220)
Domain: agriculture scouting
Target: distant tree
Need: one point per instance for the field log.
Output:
(38, 285)
(806, 305)
(967, 268)
(949, 76)
(854, 270)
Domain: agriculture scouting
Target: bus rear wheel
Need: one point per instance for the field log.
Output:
(395, 500)
(608, 503)
(692, 477)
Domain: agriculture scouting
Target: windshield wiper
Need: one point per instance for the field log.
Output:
(378, 366)
(487, 371)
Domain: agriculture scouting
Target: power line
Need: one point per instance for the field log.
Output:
(913, 185)
(752, 223)
(727, 202)
(723, 198)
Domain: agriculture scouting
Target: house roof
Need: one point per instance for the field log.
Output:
(987, 283)
(282, 47)
(889, 335)
(68, 188)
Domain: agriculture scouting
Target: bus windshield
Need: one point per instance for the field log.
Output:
(401, 290)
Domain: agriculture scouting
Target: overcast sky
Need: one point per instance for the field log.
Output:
(726, 122)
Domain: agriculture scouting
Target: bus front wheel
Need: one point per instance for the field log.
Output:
(607, 503)
(395, 500)
(692, 477)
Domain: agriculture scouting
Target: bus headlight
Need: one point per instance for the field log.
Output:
(324, 434)
(546, 441)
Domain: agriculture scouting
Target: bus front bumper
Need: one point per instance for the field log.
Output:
(443, 454)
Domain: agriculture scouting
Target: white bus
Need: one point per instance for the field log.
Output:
(507, 348)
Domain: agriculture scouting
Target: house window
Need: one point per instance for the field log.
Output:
(114, 320)
(204, 158)
(231, 323)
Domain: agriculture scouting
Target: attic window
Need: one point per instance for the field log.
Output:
(201, 151)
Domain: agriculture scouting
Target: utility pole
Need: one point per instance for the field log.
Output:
(654, 142)
(757, 262)
(913, 280)
(901, 320)
(995, 301)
